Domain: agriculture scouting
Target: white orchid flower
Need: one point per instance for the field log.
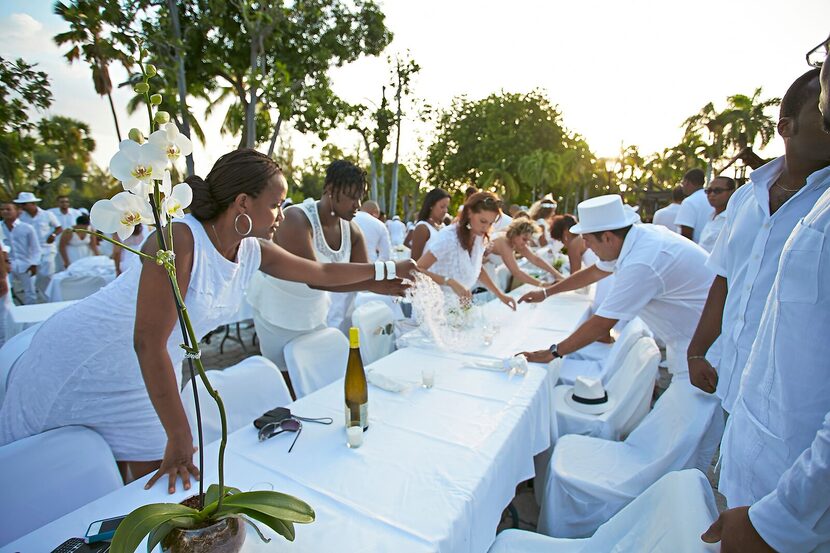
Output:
(169, 139)
(120, 214)
(136, 165)
(176, 198)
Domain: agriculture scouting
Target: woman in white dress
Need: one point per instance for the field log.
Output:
(430, 221)
(543, 213)
(126, 259)
(125, 383)
(318, 230)
(514, 240)
(453, 259)
(77, 245)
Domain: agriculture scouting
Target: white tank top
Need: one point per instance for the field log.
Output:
(295, 305)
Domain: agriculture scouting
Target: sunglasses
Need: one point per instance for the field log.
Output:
(716, 190)
(278, 427)
(817, 55)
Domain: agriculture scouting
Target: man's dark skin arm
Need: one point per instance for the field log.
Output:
(701, 373)
(687, 232)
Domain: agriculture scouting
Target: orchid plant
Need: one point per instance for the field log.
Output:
(142, 165)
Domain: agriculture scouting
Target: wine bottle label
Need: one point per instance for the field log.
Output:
(358, 416)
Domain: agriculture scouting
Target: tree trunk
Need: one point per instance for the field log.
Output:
(275, 135)
(114, 117)
(393, 195)
(181, 81)
(373, 172)
(381, 184)
(250, 112)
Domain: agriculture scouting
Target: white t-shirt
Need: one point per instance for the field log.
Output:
(666, 216)
(662, 278)
(376, 236)
(68, 219)
(712, 230)
(45, 224)
(397, 231)
(452, 260)
(502, 222)
(695, 212)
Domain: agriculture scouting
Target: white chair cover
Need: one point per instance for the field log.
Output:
(363, 298)
(376, 324)
(629, 391)
(10, 352)
(78, 287)
(668, 517)
(48, 475)
(592, 479)
(316, 359)
(599, 360)
(248, 389)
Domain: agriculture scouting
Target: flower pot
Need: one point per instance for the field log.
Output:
(225, 536)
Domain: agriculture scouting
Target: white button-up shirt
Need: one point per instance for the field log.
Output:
(695, 212)
(662, 278)
(666, 216)
(712, 230)
(24, 244)
(66, 220)
(776, 450)
(375, 235)
(747, 254)
(45, 224)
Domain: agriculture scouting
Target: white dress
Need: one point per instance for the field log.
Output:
(452, 260)
(81, 368)
(78, 247)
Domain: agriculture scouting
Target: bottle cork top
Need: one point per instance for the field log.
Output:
(354, 337)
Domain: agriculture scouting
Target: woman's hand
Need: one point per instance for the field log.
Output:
(508, 301)
(177, 462)
(533, 297)
(397, 287)
(406, 268)
(460, 291)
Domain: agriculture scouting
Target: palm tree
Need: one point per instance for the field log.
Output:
(87, 22)
(747, 121)
(495, 175)
(540, 169)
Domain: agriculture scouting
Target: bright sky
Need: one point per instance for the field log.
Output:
(620, 71)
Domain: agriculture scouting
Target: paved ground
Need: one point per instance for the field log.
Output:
(525, 504)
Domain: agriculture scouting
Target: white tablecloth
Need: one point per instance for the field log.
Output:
(435, 472)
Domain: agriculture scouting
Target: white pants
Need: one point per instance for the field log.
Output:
(24, 284)
(272, 339)
(340, 311)
(44, 275)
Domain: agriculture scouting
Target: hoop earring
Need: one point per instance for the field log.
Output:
(331, 202)
(236, 224)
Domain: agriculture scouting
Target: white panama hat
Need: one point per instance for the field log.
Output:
(26, 198)
(604, 213)
(588, 396)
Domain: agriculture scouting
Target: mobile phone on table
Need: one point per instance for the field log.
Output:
(102, 530)
(78, 545)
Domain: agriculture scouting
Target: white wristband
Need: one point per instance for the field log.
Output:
(378, 270)
(390, 270)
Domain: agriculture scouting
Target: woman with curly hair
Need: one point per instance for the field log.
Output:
(515, 240)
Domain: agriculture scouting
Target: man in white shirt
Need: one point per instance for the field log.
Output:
(695, 210)
(24, 254)
(658, 276)
(759, 219)
(397, 230)
(776, 450)
(666, 216)
(65, 214)
(375, 233)
(48, 229)
(503, 221)
(718, 193)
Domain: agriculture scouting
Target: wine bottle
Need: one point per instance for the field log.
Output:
(357, 392)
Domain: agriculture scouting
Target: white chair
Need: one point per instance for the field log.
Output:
(599, 360)
(48, 475)
(668, 517)
(11, 352)
(316, 359)
(377, 338)
(79, 287)
(248, 389)
(592, 479)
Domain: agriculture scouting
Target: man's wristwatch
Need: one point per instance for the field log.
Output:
(554, 350)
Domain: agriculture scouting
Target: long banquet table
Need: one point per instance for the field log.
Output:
(437, 467)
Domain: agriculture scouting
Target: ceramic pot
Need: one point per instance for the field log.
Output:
(225, 536)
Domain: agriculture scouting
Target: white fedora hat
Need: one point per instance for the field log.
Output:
(588, 396)
(604, 213)
(26, 198)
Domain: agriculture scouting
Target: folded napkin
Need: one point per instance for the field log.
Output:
(386, 383)
(511, 365)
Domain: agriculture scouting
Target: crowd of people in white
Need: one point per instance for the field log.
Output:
(733, 280)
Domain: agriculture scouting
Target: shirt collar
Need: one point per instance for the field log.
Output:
(628, 243)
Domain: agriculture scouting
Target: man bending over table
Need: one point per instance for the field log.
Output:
(660, 277)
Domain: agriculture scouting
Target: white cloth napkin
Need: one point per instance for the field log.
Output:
(386, 383)
(511, 365)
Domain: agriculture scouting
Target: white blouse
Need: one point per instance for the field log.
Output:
(452, 260)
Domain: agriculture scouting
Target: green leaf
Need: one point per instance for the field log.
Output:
(282, 527)
(161, 531)
(144, 520)
(212, 493)
(274, 504)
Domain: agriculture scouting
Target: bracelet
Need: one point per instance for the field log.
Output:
(379, 270)
(693, 357)
(545, 292)
(390, 270)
